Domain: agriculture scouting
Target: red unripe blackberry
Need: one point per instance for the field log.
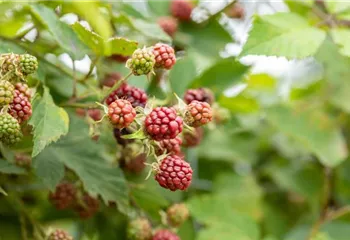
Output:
(169, 25)
(111, 78)
(170, 146)
(20, 107)
(163, 123)
(177, 214)
(198, 114)
(136, 96)
(23, 160)
(60, 234)
(193, 139)
(236, 11)
(95, 114)
(119, 58)
(23, 88)
(64, 196)
(135, 164)
(164, 234)
(174, 173)
(139, 229)
(88, 207)
(199, 94)
(181, 9)
(121, 113)
(164, 56)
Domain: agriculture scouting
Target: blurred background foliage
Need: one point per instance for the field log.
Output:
(277, 170)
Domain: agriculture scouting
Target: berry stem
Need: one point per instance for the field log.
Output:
(116, 86)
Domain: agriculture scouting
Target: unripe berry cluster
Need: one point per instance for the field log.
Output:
(15, 95)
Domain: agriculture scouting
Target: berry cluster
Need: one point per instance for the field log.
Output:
(15, 95)
(67, 195)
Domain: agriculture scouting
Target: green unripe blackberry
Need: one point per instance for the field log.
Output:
(28, 64)
(9, 63)
(139, 229)
(6, 93)
(10, 130)
(141, 62)
(177, 214)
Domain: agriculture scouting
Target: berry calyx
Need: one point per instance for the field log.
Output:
(169, 25)
(177, 214)
(163, 123)
(141, 62)
(136, 96)
(193, 139)
(111, 78)
(28, 64)
(164, 234)
(9, 64)
(198, 114)
(6, 93)
(20, 107)
(181, 9)
(60, 234)
(174, 173)
(199, 94)
(121, 113)
(139, 229)
(88, 206)
(170, 146)
(64, 196)
(23, 88)
(164, 56)
(10, 131)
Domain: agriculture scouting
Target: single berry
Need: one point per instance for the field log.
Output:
(164, 55)
(163, 123)
(23, 88)
(121, 113)
(64, 196)
(136, 96)
(193, 139)
(141, 62)
(236, 11)
(119, 133)
(174, 173)
(135, 164)
(95, 114)
(9, 64)
(6, 93)
(139, 229)
(169, 25)
(10, 130)
(164, 234)
(181, 9)
(60, 234)
(88, 207)
(170, 146)
(198, 114)
(20, 107)
(23, 160)
(199, 94)
(119, 58)
(177, 214)
(28, 64)
(111, 78)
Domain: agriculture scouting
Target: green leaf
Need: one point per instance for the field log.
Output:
(9, 168)
(88, 162)
(49, 121)
(283, 34)
(99, 46)
(336, 71)
(62, 33)
(159, 8)
(239, 104)
(341, 37)
(313, 129)
(223, 74)
(181, 75)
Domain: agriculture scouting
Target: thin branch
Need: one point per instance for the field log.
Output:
(74, 81)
